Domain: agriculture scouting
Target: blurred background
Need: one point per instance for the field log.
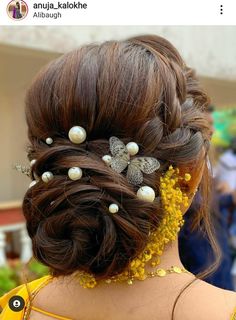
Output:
(211, 50)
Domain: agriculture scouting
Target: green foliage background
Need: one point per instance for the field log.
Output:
(13, 276)
(225, 127)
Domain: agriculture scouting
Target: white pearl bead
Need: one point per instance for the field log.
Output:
(77, 134)
(32, 162)
(75, 173)
(146, 193)
(106, 159)
(49, 140)
(113, 208)
(35, 176)
(32, 183)
(132, 148)
(47, 176)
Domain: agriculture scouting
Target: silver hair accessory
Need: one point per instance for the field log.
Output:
(23, 169)
(120, 160)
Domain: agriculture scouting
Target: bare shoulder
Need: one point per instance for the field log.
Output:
(203, 301)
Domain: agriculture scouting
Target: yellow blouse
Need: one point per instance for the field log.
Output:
(34, 287)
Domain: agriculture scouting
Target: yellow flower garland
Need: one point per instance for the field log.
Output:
(172, 198)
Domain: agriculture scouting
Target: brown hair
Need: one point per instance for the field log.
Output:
(138, 90)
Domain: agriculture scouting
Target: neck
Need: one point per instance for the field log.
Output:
(170, 256)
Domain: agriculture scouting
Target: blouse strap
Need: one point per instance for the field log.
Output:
(47, 279)
(49, 313)
(33, 289)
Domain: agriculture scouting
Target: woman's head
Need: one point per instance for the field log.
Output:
(138, 90)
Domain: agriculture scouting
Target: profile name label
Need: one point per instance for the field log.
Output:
(60, 5)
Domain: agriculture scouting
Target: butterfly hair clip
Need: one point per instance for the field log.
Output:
(121, 159)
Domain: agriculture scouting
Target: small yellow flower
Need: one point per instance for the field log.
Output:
(187, 177)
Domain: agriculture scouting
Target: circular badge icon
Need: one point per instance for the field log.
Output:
(16, 303)
(17, 9)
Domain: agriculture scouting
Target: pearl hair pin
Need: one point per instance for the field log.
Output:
(146, 193)
(32, 183)
(49, 140)
(75, 173)
(107, 159)
(132, 148)
(47, 176)
(35, 176)
(113, 208)
(32, 162)
(77, 134)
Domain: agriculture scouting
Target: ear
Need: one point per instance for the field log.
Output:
(190, 186)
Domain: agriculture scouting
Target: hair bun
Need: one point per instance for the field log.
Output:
(74, 229)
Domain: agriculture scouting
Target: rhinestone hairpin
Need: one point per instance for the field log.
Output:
(23, 169)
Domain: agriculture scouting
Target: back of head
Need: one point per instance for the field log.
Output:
(138, 90)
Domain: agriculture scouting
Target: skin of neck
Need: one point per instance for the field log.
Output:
(170, 256)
